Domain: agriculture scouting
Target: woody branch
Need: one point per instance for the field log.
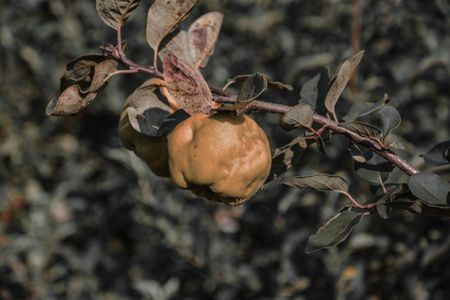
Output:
(221, 96)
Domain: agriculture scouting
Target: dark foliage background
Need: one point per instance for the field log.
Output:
(82, 218)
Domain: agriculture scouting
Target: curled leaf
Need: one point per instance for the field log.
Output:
(343, 75)
(79, 85)
(252, 88)
(163, 17)
(146, 112)
(115, 12)
(69, 102)
(187, 86)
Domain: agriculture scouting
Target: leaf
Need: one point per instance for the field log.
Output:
(439, 154)
(399, 193)
(146, 112)
(79, 85)
(390, 118)
(358, 154)
(285, 157)
(171, 121)
(313, 92)
(88, 72)
(363, 129)
(375, 169)
(115, 12)
(362, 109)
(401, 198)
(252, 88)
(318, 182)
(429, 187)
(178, 46)
(270, 83)
(163, 17)
(202, 36)
(187, 86)
(343, 75)
(334, 230)
(101, 71)
(300, 115)
(277, 85)
(69, 102)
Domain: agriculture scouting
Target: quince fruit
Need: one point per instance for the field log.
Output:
(222, 157)
(152, 150)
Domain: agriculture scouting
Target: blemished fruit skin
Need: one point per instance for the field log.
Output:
(223, 157)
(152, 150)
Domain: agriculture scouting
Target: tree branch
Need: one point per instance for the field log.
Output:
(329, 125)
(222, 96)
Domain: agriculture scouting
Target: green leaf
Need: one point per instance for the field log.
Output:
(334, 230)
(163, 17)
(252, 88)
(439, 154)
(318, 182)
(361, 109)
(115, 12)
(363, 129)
(343, 75)
(390, 119)
(375, 169)
(313, 92)
(401, 198)
(399, 193)
(429, 187)
(300, 115)
(285, 157)
(358, 154)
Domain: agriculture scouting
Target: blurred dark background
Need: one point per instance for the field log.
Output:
(82, 218)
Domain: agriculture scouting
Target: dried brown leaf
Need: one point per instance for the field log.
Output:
(145, 110)
(187, 86)
(69, 102)
(163, 17)
(202, 35)
(115, 12)
(101, 71)
(343, 75)
(179, 46)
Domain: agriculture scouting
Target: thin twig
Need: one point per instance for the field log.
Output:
(355, 202)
